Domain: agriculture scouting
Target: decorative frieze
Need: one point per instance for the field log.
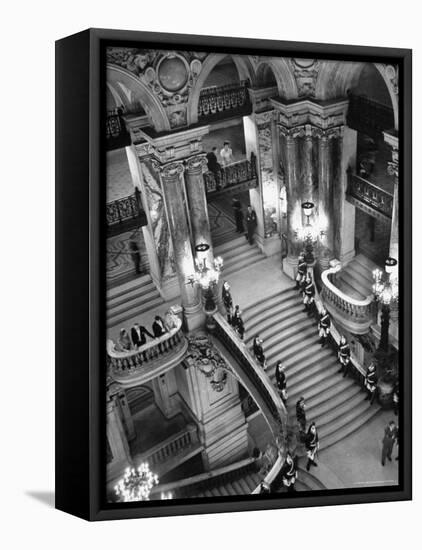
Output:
(305, 72)
(205, 357)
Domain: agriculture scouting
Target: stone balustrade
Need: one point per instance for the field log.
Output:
(369, 197)
(355, 315)
(136, 367)
(239, 174)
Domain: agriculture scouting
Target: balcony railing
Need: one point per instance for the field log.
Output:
(217, 102)
(117, 135)
(373, 197)
(238, 174)
(368, 116)
(355, 315)
(133, 368)
(125, 213)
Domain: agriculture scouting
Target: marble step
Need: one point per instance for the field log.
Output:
(241, 257)
(233, 244)
(261, 305)
(337, 410)
(268, 330)
(270, 311)
(133, 294)
(244, 264)
(344, 389)
(124, 288)
(134, 310)
(349, 279)
(349, 290)
(279, 352)
(365, 262)
(361, 274)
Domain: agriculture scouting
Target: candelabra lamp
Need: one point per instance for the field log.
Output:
(386, 291)
(136, 484)
(207, 276)
(308, 236)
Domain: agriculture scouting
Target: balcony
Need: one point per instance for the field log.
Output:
(356, 316)
(235, 177)
(133, 368)
(369, 197)
(220, 102)
(369, 117)
(125, 214)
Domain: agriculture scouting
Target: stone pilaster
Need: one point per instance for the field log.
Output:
(172, 184)
(117, 441)
(393, 170)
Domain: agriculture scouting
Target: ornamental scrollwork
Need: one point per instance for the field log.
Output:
(205, 357)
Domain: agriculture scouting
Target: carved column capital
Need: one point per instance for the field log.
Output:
(170, 171)
(325, 134)
(291, 133)
(196, 164)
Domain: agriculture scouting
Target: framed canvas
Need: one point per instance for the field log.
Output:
(233, 274)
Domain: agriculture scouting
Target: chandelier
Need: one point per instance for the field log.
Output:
(136, 484)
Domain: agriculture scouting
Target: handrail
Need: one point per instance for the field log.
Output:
(240, 171)
(169, 447)
(150, 360)
(204, 477)
(216, 100)
(327, 283)
(369, 194)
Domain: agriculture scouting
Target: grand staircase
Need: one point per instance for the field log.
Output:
(336, 404)
(356, 279)
(238, 254)
(130, 299)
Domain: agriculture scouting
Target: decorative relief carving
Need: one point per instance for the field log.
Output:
(204, 356)
(264, 118)
(391, 73)
(170, 75)
(169, 171)
(305, 72)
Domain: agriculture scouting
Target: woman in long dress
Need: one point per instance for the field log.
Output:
(312, 445)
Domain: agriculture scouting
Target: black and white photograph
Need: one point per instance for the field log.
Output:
(252, 274)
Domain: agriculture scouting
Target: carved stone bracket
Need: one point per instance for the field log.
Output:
(170, 171)
(305, 72)
(205, 357)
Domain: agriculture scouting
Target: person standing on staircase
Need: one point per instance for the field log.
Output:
(301, 415)
(250, 223)
(312, 446)
(324, 327)
(308, 294)
(258, 351)
(281, 382)
(302, 270)
(237, 322)
(289, 473)
(227, 301)
(344, 356)
(371, 383)
(238, 215)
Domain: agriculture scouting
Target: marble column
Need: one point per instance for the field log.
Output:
(308, 176)
(138, 182)
(324, 195)
(117, 440)
(393, 170)
(198, 208)
(172, 185)
(293, 189)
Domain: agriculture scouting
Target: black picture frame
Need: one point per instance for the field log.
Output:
(80, 285)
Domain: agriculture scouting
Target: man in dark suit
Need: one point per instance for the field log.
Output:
(158, 327)
(138, 335)
(250, 223)
(213, 164)
(390, 436)
(238, 214)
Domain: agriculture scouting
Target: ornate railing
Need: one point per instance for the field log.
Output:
(357, 370)
(369, 194)
(136, 367)
(217, 101)
(170, 448)
(355, 315)
(124, 213)
(235, 174)
(252, 377)
(117, 135)
(368, 116)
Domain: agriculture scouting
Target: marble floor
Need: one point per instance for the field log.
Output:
(356, 460)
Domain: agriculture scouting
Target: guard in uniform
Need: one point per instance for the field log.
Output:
(280, 378)
(308, 295)
(324, 327)
(371, 383)
(344, 356)
(237, 322)
(301, 414)
(312, 445)
(302, 269)
(227, 301)
(289, 473)
(259, 352)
